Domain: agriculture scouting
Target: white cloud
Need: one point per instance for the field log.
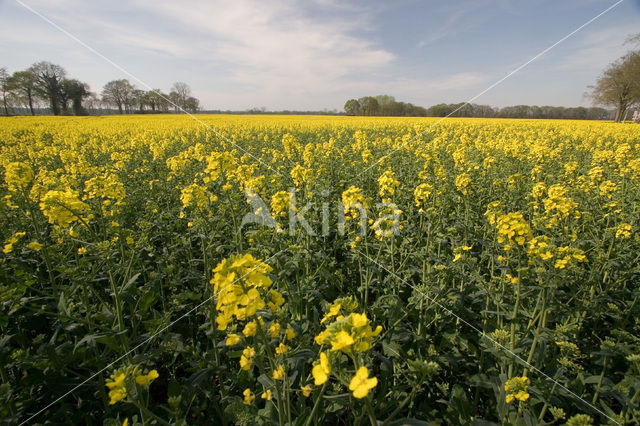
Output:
(275, 45)
(272, 50)
(596, 49)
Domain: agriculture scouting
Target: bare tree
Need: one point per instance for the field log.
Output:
(118, 93)
(180, 92)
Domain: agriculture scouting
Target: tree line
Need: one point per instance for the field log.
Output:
(386, 105)
(383, 105)
(45, 88)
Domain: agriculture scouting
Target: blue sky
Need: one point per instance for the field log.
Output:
(316, 54)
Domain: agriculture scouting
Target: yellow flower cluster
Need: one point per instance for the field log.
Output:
(462, 183)
(388, 184)
(513, 230)
(121, 378)
(494, 210)
(516, 388)
(321, 370)
(195, 195)
(421, 194)
(459, 252)
(8, 246)
(354, 202)
(538, 190)
(558, 205)
(62, 208)
(351, 333)
(107, 186)
(290, 144)
(387, 223)
(117, 387)
(280, 203)
(217, 164)
(541, 248)
(35, 246)
(301, 175)
(241, 283)
(249, 397)
(18, 176)
(623, 231)
(566, 255)
(246, 359)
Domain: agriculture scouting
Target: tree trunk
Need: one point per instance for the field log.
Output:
(4, 101)
(30, 98)
(55, 109)
(619, 112)
(76, 105)
(120, 108)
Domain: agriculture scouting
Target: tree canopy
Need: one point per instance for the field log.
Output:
(619, 85)
(45, 88)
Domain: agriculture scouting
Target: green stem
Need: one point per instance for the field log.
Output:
(402, 405)
(372, 416)
(513, 327)
(145, 410)
(316, 405)
(600, 380)
(272, 363)
(118, 307)
(546, 404)
(541, 324)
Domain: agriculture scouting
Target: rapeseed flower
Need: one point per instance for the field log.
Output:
(62, 208)
(321, 370)
(516, 388)
(361, 383)
(238, 282)
(147, 379)
(306, 391)
(246, 359)
(249, 397)
(233, 339)
(278, 373)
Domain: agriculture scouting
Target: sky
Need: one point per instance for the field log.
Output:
(316, 54)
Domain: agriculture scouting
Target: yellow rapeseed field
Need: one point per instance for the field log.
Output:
(319, 270)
